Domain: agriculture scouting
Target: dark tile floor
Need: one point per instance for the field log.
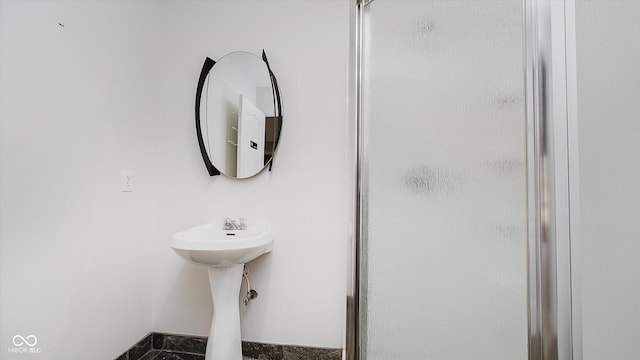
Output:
(158, 346)
(175, 355)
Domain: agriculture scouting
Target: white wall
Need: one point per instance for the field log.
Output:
(301, 284)
(78, 104)
(608, 54)
(114, 89)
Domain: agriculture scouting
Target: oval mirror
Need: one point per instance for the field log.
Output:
(238, 115)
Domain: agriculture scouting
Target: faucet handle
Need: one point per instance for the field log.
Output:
(229, 224)
(242, 224)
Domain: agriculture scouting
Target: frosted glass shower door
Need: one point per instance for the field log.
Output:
(444, 181)
(608, 119)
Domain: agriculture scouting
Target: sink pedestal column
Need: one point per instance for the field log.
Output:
(224, 341)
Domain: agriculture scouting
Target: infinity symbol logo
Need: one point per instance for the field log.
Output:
(18, 340)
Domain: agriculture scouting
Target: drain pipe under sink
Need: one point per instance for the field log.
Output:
(251, 293)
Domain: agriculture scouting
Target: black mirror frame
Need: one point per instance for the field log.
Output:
(206, 68)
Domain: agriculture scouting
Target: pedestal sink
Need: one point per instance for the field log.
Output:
(224, 252)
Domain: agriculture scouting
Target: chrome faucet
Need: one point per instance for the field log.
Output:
(233, 224)
(229, 224)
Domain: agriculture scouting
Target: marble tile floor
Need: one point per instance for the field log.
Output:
(176, 355)
(158, 346)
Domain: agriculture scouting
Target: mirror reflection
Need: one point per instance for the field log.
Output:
(239, 120)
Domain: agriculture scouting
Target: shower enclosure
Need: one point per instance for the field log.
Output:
(497, 170)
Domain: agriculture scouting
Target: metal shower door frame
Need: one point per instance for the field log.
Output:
(554, 305)
(357, 261)
(552, 181)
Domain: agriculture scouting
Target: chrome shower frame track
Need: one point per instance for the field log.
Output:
(554, 311)
(355, 317)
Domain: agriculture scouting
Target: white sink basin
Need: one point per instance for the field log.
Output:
(211, 246)
(224, 252)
